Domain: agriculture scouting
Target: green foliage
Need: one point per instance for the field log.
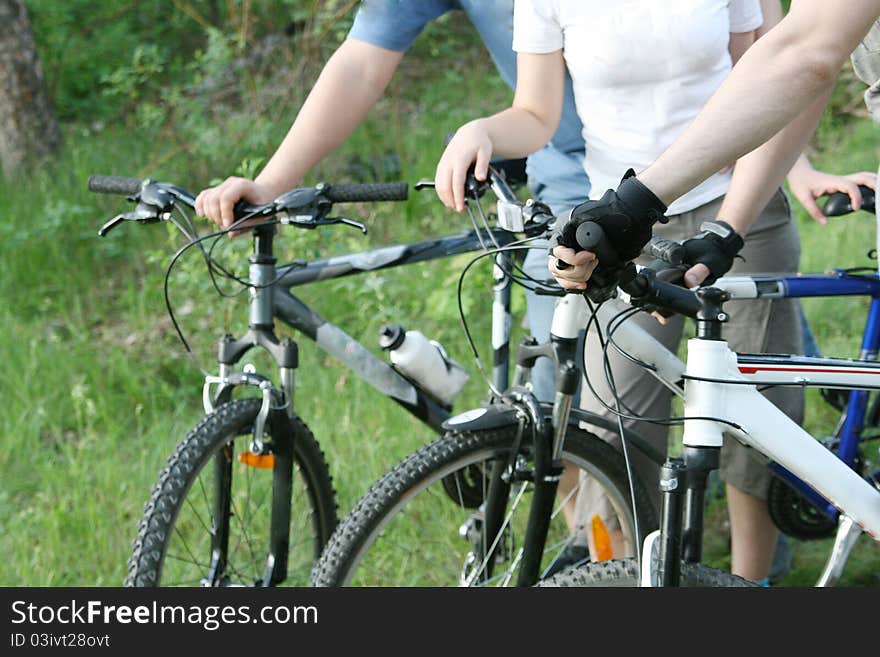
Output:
(99, 387)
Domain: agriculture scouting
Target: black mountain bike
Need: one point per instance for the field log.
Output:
(246, 499)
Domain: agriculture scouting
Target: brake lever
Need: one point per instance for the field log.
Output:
(110, 225)
(424, 184)
(140, 215)
(342, 220)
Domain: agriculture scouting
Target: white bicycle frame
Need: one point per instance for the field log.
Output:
(761, 424)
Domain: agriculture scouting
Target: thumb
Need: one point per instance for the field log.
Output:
(815, 212)
(696, 275)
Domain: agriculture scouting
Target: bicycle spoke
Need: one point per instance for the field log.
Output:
(192, 560)
(185, 545)
(235, 514)
(504, 525)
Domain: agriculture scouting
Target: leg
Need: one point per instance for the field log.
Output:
(539, 315)
(752, 534)
(811, 348)
(761, 327)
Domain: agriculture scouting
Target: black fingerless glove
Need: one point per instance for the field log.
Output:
(626, 216)
(716, 247)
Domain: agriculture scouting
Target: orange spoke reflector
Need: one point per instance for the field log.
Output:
(601, 540)
(262, 461)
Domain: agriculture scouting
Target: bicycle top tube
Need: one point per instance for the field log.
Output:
(840, 282)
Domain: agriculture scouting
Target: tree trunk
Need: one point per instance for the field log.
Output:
(28, 129)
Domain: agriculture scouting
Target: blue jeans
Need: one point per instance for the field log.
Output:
(539, 308)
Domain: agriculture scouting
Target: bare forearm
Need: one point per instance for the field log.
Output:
(516, 132)
(351, 82)
(758, 174)
(530, 122)
(780, 76)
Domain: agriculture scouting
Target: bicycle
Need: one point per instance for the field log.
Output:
(721, 399)
(262, 435)
(355, 553)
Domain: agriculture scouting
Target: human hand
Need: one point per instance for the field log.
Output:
(470, 145)
(708, 255)
(581, 266)
(217, 203)
(807, 185)
(711, 253)
(625, 216)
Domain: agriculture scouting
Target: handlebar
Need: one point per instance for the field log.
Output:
(531, 217)
(839, 203)
(645, 289)
(114, 185)
(306, 207)
(370, 192)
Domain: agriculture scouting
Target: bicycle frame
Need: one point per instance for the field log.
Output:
(271, 299)
(826, 478)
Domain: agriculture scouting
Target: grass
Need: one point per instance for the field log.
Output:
(98, 389)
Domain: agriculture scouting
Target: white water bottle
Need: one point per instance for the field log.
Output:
(424, 361)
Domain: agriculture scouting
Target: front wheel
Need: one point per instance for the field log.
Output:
(221, 515)
(625, 573)
(426, 522)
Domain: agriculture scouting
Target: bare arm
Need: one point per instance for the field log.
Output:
(353, 79)
(758, 174)
(520, 130)
(772, 12)
(777, 79)
(754, 181)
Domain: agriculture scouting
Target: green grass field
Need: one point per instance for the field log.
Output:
(97, 389)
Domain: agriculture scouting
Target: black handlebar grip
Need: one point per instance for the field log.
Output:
(114, 185)
(668, 296)
(590, 237)
(368, 192)
(666, 250)
(839, 203)
(676, 298)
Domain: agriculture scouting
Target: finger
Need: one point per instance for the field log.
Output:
(814, 210)
(572, 257)
(481, 167)
(212, 207)
(591, 266)
(568, 272)
(865, 178)
(855, 195)
(571, 285)
(199, 204)
(560, 268)
(696, 275)
(660, 318)
(442, 178)
(228, 199)
(459, 175)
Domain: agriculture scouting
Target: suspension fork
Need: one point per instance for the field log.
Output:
(547, 452)
(683, 480)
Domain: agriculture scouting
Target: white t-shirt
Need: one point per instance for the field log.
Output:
(641, 71)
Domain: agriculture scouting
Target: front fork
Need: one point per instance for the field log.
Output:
(276, 413)
(547, 444)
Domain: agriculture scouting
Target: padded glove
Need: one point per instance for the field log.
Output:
(716, 247)
(626, 216)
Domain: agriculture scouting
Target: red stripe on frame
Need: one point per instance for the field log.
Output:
(746, 369)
